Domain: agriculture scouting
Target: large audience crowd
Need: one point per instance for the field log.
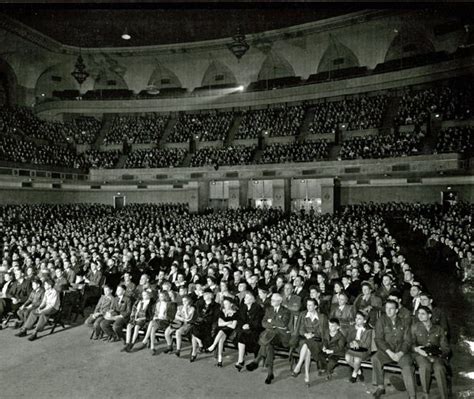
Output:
(359, 113)
(155, 158)
(96, 159)
(323, 287)
(455, 139)
(136, 129)
(25, 151)
(451, 102)
(382, 146)
(309, 151)
(274, 121)
(84, 130)
(232, 155)
(21, 121)
(211, 126)
(448, 234)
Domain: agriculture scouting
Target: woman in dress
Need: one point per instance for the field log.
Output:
(344, 313)
(165, 311)
(249, 328)
(313, 329)
(226, 325)
(206, 320)
(141, 314)
(337, 289)
(359, 341)
(181, 324)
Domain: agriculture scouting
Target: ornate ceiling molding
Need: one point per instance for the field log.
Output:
(294, 32)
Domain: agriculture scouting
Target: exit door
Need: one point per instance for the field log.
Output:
(119, 202)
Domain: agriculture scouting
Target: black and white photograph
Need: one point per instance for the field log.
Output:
(232, 200)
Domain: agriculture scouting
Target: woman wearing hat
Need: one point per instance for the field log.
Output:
(359, 341)
(202, 330)
(369, 303)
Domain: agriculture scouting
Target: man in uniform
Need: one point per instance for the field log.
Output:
(431, 350)
(392, 337)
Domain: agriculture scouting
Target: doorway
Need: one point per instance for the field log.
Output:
(119, 201)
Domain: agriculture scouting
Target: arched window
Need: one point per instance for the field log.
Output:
(337, 56)
(55, 78)
(274, 67)
(162, 77)
(407, 43)
(218, 74)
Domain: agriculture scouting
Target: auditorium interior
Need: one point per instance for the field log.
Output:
(207, 201)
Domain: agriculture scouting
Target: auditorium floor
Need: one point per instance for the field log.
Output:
(69, 365)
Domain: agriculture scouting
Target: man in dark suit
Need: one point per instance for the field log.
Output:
(117, 318)
(276, 323)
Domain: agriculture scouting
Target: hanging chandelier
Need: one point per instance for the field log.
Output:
(79, 73)
(239, 45)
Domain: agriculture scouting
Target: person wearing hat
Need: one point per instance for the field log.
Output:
(368, 303)
(359, 343)
(205, 323)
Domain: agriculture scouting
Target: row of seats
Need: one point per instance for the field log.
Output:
(208, 127)
(451, 102)
(155, 158)
(275, 121)
(383, 146)
(358, 114)
(136, 129)
(233, 155)
(295, 152)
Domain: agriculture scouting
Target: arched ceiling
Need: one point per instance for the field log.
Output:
(102, 26)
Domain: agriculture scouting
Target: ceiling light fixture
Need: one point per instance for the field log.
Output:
(79, 73)
(239, 45)
(126, 35)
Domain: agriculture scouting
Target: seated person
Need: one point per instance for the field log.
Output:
(60, 282)
(141, 314)
(249, 328)
(368, 303)
(333, 348)
(359, 343)
(33, 302)
(91, 285)
(103, 306)
(205, 323)
(276, 323)
(14, 292)
(313, 329)
(430, 349)
(392, 338)
(49, 306)
(182, 323)
(164, 314)
(343, 312)
(226, 325)
(117, 317)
